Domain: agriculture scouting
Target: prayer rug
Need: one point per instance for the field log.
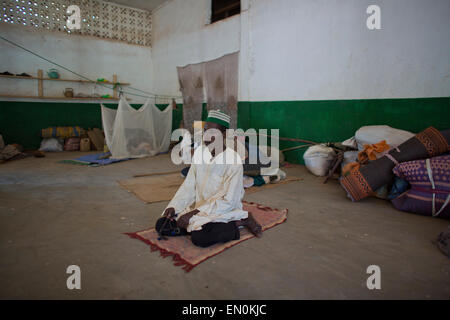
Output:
(157, 188)
(184, 253)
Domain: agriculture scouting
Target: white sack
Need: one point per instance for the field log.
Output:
(51, 145)
(349, 156)
(374, 134)
(350, 142)
(318, 159)
(131, 133)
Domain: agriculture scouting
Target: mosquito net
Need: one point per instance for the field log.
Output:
(136, 133)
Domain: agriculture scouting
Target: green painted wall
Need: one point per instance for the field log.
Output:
(337, 120)
(321, 121)
(21, 122)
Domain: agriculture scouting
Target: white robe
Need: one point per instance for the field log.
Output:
(214, 187)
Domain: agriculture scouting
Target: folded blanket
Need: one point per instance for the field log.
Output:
(362, 182)
(98, 159)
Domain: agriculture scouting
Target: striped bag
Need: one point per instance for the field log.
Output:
(430, 186)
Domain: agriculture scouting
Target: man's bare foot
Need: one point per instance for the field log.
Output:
(251, 224)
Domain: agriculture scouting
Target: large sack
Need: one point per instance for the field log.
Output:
(318, 159)
(72, 144)
(430, 191)
(349, 157)
(51, 145)
(9, 151)
(350, 142)
(374, 134)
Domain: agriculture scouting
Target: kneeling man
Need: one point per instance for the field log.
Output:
(208, 204)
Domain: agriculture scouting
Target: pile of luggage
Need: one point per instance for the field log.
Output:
(410, 170)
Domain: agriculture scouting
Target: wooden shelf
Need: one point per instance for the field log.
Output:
(40, 78)
(67, 80)
(56, 98)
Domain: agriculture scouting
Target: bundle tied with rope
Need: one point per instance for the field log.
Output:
(362, 182)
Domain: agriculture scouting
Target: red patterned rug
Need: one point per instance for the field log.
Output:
(187, 255)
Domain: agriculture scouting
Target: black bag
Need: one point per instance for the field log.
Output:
(170, 228)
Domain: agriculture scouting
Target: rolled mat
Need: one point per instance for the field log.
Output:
(360, 183)
(62, 132)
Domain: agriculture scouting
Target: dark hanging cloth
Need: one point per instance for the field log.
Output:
(362, 182)
(191, 86)
(221, 83)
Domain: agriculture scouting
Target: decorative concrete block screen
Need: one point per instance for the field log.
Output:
(98, 18)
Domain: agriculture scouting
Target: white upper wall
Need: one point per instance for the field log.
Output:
(92, 57)
(322, 49)
(289, 50)
(312, 50)
(181, 36)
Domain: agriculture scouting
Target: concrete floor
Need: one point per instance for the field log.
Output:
(54, 215)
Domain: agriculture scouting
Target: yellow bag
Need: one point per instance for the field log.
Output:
(62, 132)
